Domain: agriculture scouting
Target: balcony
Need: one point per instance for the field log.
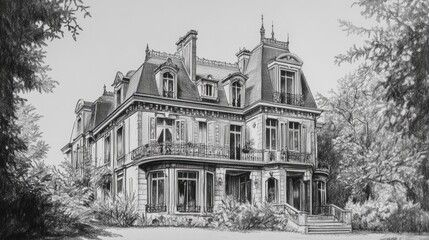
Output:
(288, 98)
(183, 149)
(218, 152)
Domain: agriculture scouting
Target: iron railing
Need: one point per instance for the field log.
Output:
(219, 152)
(155, 208)
(188, 208)
(288, 98)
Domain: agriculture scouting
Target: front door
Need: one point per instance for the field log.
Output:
(294, 192)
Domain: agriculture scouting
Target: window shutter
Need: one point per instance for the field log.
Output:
(303, 138)
(196, 131)
(217, 134)
(210, 130)
(152, 128)
(226, 134)
(139, 129)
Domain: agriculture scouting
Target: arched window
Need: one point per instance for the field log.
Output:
(236, 94)
(168, 89)
(271, 188)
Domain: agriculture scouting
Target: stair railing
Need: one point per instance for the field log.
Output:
(296, 216)
(342, 215)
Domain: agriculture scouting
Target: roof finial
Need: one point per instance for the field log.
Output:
(104, 89)
(262, 27)
(272, 30)
(147, 52)
(287, 42)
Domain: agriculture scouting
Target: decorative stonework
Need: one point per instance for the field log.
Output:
(216, 63)
(277, 43)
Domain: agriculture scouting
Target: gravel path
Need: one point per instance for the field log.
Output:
(208, 234)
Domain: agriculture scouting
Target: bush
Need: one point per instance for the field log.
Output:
(244, 216)
(177, 221)
(119, 211)
(389, 211)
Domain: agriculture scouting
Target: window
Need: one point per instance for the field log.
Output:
(234, 141)
(168, 84)
(283, 135)
(271, 188)
(322, 192)
(209, 192)
(202, 132)
(236, 94)
(119, 182)
(208, 90)
(157, 196)
(187, 191)
(294, 136)
(152, 128)
(180, 130)
(118, 97)
(120, 142)
(271, 128)
(164, 130)
(245, 188)
(107, 149)
(286, 82)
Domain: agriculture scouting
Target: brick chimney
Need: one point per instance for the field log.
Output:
(187, 49)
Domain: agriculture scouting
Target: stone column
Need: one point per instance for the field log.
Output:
(219, 188)
(142, 190)
(257, 185)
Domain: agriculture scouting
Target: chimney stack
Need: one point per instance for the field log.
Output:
(187, 49)
(243, 59)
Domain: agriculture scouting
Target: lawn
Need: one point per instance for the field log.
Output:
(159, 233)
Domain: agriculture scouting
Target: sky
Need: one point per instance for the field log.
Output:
(115, 38)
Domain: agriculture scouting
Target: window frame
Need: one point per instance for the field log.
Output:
(238, 92)
(119, 178)
(107, 149)
(121, 143)
(186, 193)
(157, 179)
(270, 130)
(294, 136)
(167, 81)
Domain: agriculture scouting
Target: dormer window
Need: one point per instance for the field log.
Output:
(166, 79)
(234, 86)
(168, 85)
(207, 88)
(236, 94)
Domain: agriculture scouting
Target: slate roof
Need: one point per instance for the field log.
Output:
(259, 86)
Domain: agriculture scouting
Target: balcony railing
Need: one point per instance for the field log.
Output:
(288, 98)
(155, 208)
(219, 152)
(188, 208)
(183, 149)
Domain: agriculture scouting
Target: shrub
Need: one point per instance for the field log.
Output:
(244, 216)
(119, 211)
(408, 218)
(177, 221)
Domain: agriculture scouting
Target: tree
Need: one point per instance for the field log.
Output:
(398, 48)
(370, 152)
(25, 29)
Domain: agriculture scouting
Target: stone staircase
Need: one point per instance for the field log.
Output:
(326, 224)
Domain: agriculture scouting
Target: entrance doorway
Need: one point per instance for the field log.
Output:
(298, 191)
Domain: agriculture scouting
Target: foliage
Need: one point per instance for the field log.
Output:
(244, 216)
(389, 211)
(397, 48)
(25, 28)
(370, 152)
(176, 221)
(118, 211)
